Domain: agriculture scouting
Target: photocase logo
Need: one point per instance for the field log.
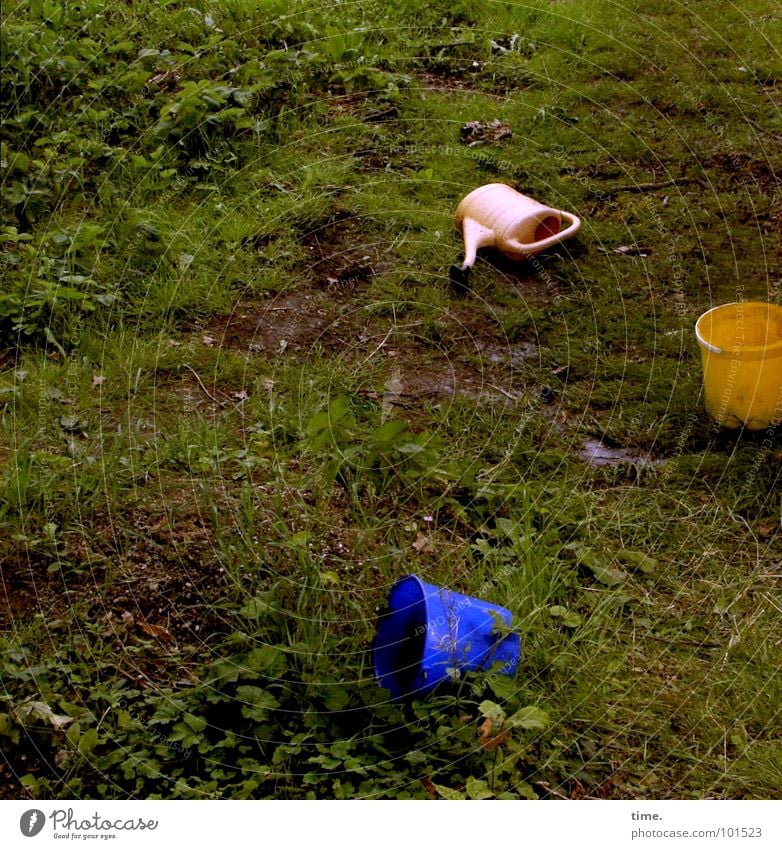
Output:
(31, 822)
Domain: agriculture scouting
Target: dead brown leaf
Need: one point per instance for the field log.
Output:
(481, 132)
(485, 735)
(423, 543)
(156, 631)
(429, 786)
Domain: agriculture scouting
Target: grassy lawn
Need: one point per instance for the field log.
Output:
(239, 398)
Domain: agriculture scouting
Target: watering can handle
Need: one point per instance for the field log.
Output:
(574, 223)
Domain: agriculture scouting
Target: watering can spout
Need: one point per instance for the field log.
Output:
(476, 236)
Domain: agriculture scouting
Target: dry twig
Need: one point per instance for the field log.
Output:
(201, 384)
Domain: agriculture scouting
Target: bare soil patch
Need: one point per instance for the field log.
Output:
(446, 79)
(300, 326)
(430, 353)
(164, 576)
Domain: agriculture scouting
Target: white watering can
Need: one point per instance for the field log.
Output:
(519, 227)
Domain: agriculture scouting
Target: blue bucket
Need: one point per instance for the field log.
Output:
(428, 632)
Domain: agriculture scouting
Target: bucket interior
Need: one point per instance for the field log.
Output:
(401, 637)
(549, 226)
(742, 327)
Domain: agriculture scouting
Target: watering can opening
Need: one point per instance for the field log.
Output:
(548, 227)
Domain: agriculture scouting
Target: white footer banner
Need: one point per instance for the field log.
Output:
(404, 824)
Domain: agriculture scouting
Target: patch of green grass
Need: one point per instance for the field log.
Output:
(238, 398)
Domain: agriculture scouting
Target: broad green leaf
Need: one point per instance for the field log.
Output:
(638, 560)
(507, 528)
(30, 782)
(569, 618)
(182, 733)
(411, 448)
(88, 741)
(605, 574)
(503, 686)
(317, 424)
(386, 433)
(530, 718)
(323, 422)
(326, 761)
(492, 711)
(477, 788)
(194, 723)
(257, 702)
(167, 711)
(300, 539)
(336, 697)
(356, 766)
(483, 546)
(447, 793)
(69, 293)
(526, 791)
(73, 734)
(259, 605)
(8, 728)
(124, 720)
(120, 47)
(266, 659)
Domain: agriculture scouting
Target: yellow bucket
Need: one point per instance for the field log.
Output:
(741, 351)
